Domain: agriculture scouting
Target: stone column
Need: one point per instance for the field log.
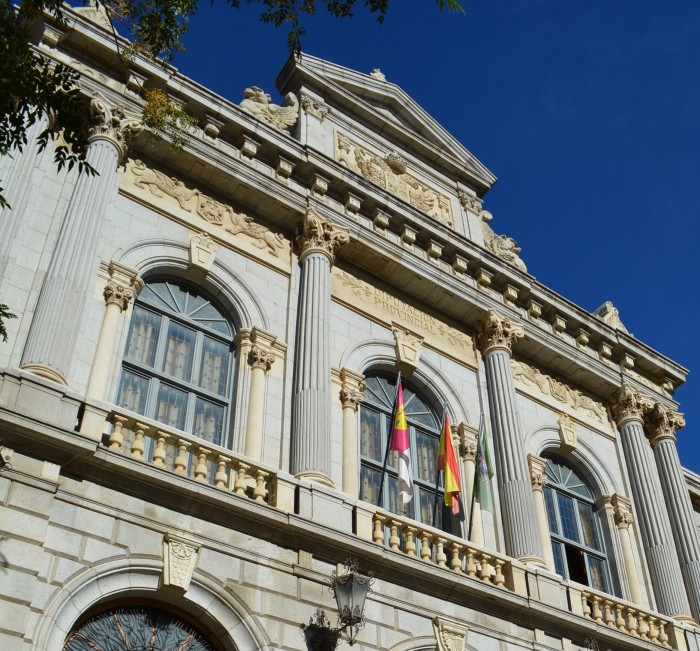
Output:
(661, 425)
(69, 279)
(122, 287)
(539, 480)
(351, 395)
(629, 407)
(260, 359)
(311, 415)
(623, 521)
(467, 453)
(496, 336)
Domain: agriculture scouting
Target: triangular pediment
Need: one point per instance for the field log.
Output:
(389, 109)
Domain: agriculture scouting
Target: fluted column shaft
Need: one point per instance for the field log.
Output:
(654, 527)
(69, 279)
(496, 336)
(311, 412)
(662, 425)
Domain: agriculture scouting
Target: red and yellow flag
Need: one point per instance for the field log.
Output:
(447, 462)
(401, 443)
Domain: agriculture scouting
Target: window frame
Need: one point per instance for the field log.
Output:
(157, 378)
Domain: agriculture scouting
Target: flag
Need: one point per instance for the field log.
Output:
(400, 443)
(447, 462)
(484, 470)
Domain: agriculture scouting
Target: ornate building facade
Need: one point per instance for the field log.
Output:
(197, 392)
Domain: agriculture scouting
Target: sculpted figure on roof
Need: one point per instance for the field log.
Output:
(257, 102)
(503, 246)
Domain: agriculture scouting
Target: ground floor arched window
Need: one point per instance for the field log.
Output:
(136, 629)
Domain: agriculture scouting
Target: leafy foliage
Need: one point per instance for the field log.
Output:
(164, 116)
(5, 314)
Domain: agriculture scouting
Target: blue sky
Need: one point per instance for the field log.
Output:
(588, 112)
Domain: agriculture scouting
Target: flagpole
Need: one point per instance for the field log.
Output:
(380, 497)
(476, 477)
(437, 467)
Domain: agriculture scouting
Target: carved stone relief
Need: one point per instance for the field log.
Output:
(388, 309)
(450, 635)
(202, 252)
(210, 210)
(561, 392)
(257, 102)
(408, 345)
(504, 247)
(386, 173)
(179, 560)
(314, 107)
(610, 315)
(567, 432)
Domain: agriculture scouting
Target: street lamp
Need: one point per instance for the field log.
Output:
(350, 590)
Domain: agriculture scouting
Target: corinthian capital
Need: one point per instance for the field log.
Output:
(628, 404)
(123, 285)
(113, 123)
(661, 423)
(352, 390)
(260, 358)
(538, 478)
(496, 331)
(321, 235)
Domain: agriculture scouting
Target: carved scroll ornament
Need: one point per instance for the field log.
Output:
(531, 376)
(628, 404)
(257, 102)
(321, 235)
(496, 331)
(212, 211)
(113, 123)
(662, 423)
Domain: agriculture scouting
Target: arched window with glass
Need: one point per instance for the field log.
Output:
(424, 430)
(578, 544)
(178, 363)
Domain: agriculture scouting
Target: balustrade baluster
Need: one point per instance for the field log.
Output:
(159, 450)
(116, 438)
(643, 626)
(260, 491)
(663, 635)
(180, 462)
(137, 445)
(425, 551)
(471, 565)
(619, 619)
(239, 487)
(440, 556)
(378, 531)
(485, 573)
(394, 540)
(499, 577)
(221, 476)
(632, 623)
(201, 472)
(409, 545)
(456, 562)
(653, 631)
(597, 612)
(609, 616)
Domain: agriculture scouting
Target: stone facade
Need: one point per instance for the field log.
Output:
(205, 337)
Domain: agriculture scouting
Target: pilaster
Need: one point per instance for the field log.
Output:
(539, 480)
(496, 337)
(467, 436)
(623, 518)
(351, 395)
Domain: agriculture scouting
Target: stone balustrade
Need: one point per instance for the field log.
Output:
(187, 456)
(629, 618)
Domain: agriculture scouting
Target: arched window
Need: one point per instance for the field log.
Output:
(575, 528)
(178, 363)
(375, 427)
(136, 628)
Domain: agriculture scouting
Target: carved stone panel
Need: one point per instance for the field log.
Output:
(408, 346)
(387, 309)
(386, 172)
(179, 560)
(450, 634)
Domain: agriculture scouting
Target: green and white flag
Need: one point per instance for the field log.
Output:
(484, 470)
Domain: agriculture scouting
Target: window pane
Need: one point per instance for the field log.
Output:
(214, 367)
(133, 391)
(171, 407)
(551, 511)
(371, 435)
(589, 527)
(179, 352)
(567, 517)
(393, 502)
(427, 503)
(208, 421)
(427, 447)
(558, 553)
(597, 573)
(369, 484)
(143, 336)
